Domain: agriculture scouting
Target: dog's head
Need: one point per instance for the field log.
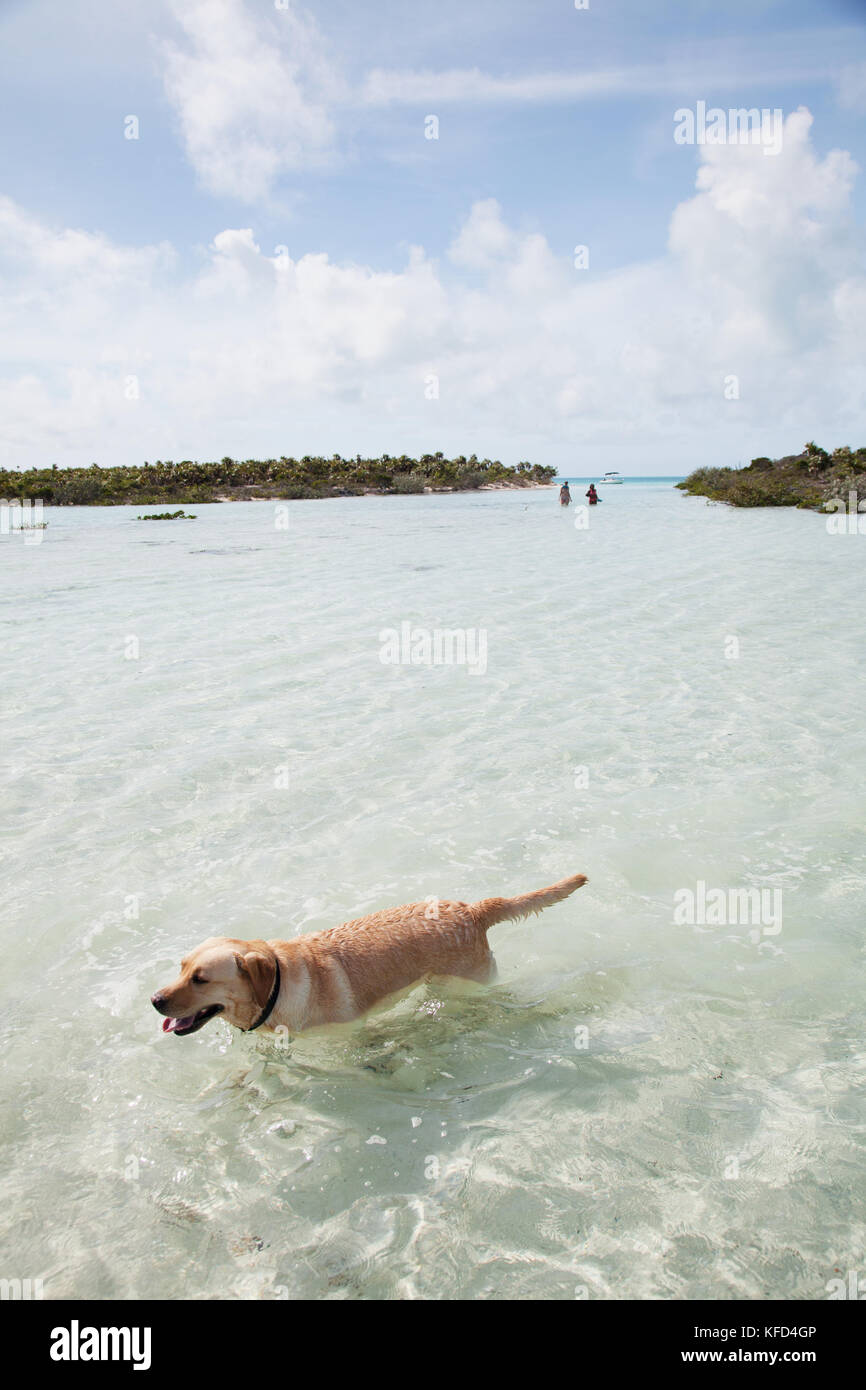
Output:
(221, 976)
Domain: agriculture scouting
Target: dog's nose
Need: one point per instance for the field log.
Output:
(158, 1001)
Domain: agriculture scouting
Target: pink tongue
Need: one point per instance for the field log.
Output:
(170, 1024)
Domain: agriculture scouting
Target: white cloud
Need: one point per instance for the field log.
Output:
(770, 244)
(258, 354)
(259, 94)
(484, 237)
(69, 253)
(472, 86)
(696, 66)
(252, 94)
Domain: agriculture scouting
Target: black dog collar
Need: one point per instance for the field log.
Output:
(269, 1007)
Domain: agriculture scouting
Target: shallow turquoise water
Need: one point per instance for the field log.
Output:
(199, 737)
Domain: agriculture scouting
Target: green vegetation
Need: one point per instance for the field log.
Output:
(284, 477)
(808, 479)
(179, 515)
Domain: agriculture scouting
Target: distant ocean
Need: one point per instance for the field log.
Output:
(596, 478)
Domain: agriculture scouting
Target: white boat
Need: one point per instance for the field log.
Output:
(610, 478)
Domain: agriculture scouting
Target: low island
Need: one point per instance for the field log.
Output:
(230, 480)
(813, 478)
(179, 515)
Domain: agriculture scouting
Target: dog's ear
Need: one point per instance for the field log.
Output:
(261, 971)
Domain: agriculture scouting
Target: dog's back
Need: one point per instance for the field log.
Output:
(387, 951)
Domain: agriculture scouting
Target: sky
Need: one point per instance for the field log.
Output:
(259, 227)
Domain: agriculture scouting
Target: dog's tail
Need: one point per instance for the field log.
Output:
(492, 910)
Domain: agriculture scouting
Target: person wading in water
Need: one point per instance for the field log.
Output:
(592, 495)
(564, 495)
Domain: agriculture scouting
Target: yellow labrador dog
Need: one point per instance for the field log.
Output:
(336, 975)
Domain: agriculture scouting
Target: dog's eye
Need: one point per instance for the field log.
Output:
(198, 979)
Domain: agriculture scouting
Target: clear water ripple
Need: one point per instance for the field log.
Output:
(637, 1108)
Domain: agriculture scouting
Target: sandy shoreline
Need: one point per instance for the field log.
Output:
(380, 492)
